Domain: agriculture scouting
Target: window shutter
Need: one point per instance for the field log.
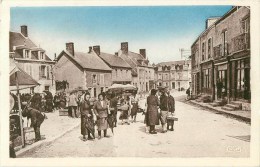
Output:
(40, 71)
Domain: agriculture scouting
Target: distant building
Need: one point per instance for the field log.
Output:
(121, 70)
(142, 70)
(174, 74)
(83, 69)
(32, 59)
(221, 58)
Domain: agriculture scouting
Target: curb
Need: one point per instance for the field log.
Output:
(239, 117)
(33, 147)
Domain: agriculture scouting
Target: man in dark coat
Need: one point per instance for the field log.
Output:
(164, 109)
(152, 115)
(113, 108)
(37, 119)
(171, 102)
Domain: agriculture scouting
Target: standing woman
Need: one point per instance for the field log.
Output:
(152, 115)
(134, 109)
(86, 118)
(101, 111)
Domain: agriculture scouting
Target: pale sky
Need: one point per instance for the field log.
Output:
(161, 30)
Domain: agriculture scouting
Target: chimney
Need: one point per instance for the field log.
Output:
(97, 49)
(70, 48)
(89, 49)
(143, 53)
(211, 21)
(116, 53)
(24, 30)
(55, 57)
(124, 47)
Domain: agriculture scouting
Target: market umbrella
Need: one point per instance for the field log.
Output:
(19, 79)
(129, 87)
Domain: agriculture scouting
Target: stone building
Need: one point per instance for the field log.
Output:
(221, 58)
(121, 70)
(174, 74)
(142, 71)
(32, 59)
(83, 69)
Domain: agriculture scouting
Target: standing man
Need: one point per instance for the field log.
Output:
(73, 105)
(164, 109)
(113, 107)
(171, 105)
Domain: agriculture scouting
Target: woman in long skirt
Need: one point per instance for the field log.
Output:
(134, 108)
(152, 115)
(101, 111)
(87, 122)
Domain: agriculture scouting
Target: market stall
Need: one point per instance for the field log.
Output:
(19, 80)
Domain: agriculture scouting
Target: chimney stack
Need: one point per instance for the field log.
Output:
(55, 57)
(143, 53)
(24, 30)
(96, 49)
(124, 47)
(116, 53)
(89, 49)
(70, 48)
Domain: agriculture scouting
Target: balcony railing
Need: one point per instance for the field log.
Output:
(241, 42)
(220, 51)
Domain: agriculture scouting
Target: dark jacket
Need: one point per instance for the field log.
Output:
(171, 104)
(164, 102)
(85, 108)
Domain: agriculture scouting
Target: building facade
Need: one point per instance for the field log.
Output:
(176, 75)
(121, 71)
(83, 69)
(221, 58)
(142, 71)
(32, 59)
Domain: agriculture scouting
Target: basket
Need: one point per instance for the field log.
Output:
(29, 135)
(172, 118)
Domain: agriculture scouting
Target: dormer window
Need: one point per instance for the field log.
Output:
(26, 54)
(41, 55)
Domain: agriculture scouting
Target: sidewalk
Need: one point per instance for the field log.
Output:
(51, 129)
(238, 114)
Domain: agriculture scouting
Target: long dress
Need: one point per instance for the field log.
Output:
(102, 113)
(85, 109)
(152, 115)
(134, 109)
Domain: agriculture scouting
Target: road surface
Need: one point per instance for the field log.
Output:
(198, 133)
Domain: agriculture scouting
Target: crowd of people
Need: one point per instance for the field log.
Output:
(101, 113)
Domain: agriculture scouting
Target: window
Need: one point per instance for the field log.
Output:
(48, 72)
(224, 43)
(206, 78)
(102, 79)
(173, 85)
(203, 51)
(41, 55)
(42, 71)
(94, 79)
(26, 54)
(209, 48)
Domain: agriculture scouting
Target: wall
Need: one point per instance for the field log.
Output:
(66, 70)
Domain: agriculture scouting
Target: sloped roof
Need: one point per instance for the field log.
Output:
(132, 58)
(113, 60)
(17, 39)
(22, 42)
(88, 61)
(169, 63)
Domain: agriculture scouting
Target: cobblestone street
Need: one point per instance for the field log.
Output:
(198, 133)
